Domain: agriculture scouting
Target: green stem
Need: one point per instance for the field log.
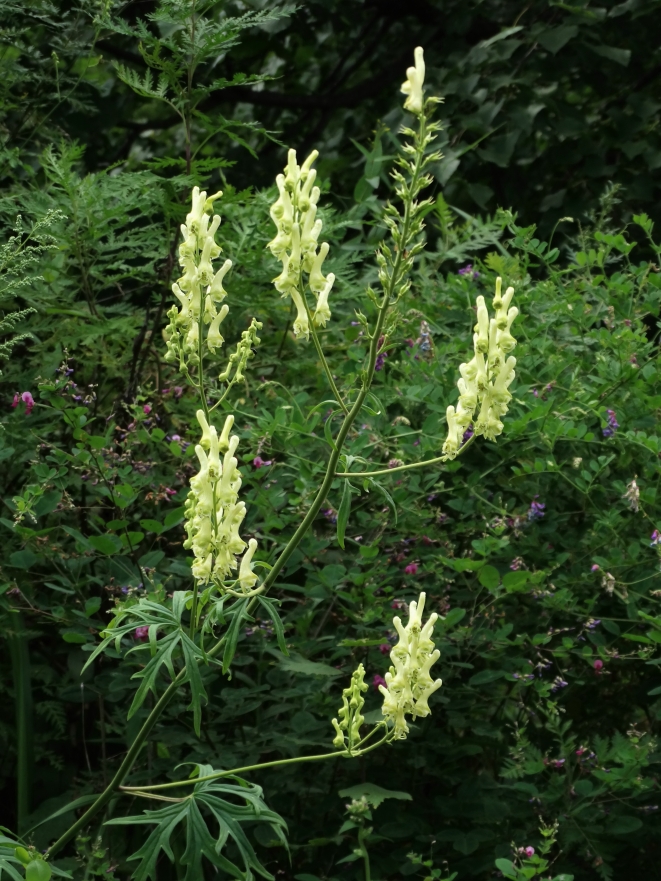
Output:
(354, 753)
(435, 461)
(322, 358)
(362, 835)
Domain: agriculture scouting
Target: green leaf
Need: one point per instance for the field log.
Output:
(37, 870)
(374, 794)
(619, 56)
(553, 39)
(239, 613)
(513, 581)
(23, 559)
(389, 500)
(297, 664)
(269, 607)
(152, 526)
(454, 616)
(343, 513)
(244, 805)
(106, 544)
(486, 676)
(508, 868)
(489, 577)
(173, 518)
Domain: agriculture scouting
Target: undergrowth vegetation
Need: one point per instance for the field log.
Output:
(539, 551)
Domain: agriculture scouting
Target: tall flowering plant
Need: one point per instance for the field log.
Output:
(199, 627)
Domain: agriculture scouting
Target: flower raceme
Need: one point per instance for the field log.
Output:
(213, 512)
(296, 243)
(200, 289)
(408, 683)
(486, 378)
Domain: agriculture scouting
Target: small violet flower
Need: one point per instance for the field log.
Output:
(469, 271)
(612, 426)
(536, 510)
(656, 539)
(411, 569)
(141, 633)
(258, 462)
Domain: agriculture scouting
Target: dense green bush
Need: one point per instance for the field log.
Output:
(540, 551)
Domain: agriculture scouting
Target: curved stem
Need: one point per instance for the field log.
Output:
(322, 357)
(435, 461)
(124, 768)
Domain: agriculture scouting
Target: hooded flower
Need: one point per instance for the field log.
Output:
(485, 380)
(296, 243)
(409, 685)
(415, 78)
(200, 289)
(213, 512)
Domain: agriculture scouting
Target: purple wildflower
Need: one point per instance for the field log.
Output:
(379, 680)
(558, 683)
(380, 361)
(612, 426)
(468, 270)
(258, 462)
(141, 633)
(468, 434)
(529, 851)
(384, 648)
(536, 510)
(656, 539)
(411, 569)
(598, 665)
(330, 515)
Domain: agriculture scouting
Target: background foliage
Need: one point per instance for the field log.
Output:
(536, 550)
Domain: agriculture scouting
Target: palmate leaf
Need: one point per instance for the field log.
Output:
(227, 803)
(168, 622)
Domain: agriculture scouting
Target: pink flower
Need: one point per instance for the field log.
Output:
(384, 648)
(17, 398)
(258, 462)
(146, 408)
(598, 665)
(141, 633)
(411, 569)
(379, 680)
(581, 750)
(170, 492)
(529, 851)
(594, 567)
(28, 400)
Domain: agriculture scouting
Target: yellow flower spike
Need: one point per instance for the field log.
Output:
(413, 87)
(409, 684)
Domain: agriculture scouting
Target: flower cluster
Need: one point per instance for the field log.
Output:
(348, 728)
(200, 289)
(213, 512)
(296, 243)
(409, 684)
(486, 378)
(612, 425)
